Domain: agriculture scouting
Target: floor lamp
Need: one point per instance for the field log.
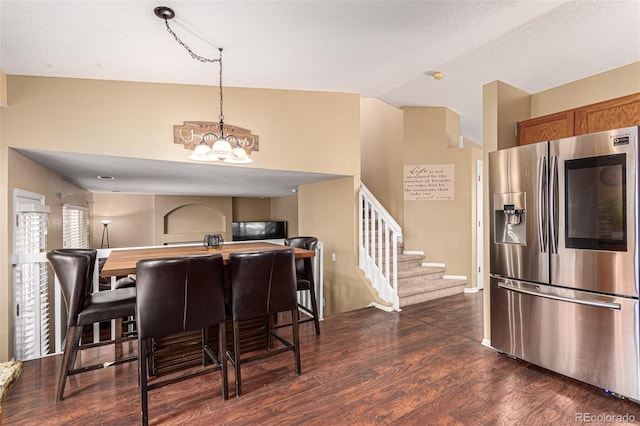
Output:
(105, 232)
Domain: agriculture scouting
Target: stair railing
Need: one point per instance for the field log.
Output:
(379, 237)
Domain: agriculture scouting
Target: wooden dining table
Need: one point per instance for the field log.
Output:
(164, 359)
(123, 261)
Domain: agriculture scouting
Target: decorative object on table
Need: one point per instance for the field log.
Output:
(105, 232)
(213, 241)
(230, 148)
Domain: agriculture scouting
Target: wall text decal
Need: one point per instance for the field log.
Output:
(429, 182)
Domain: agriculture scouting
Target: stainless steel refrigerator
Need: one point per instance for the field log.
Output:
(564, 257)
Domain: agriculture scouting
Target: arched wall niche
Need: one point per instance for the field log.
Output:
(194, 219)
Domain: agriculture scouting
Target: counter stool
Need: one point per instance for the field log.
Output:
(305, 279)
(262, 284)
(74, 269)
(175, 295)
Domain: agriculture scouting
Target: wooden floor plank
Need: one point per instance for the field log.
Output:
(423, 365)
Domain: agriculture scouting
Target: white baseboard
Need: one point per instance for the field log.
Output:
(471, 290)
(421, 253)
(433, 265)
(454, 277)
(381, 307)
(487, 342)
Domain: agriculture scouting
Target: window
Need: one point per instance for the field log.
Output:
(31, 284)
(75, 226)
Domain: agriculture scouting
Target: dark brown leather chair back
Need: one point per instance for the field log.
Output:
(303, 266)
(179, 294)
(74, 269)
(262, 283)
(93, 254)
(305, 277)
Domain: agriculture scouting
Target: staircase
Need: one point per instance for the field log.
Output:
(400, 278)
(419, 282)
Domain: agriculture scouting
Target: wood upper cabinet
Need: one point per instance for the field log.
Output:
(553, 126)
(607, 115)
(613, 114)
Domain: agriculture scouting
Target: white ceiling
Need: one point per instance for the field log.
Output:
(382, 49)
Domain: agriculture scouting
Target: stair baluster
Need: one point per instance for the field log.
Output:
(379, 230)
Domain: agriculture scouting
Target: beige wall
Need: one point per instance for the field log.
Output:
(246, 209)
(504, 105)
(27, 175)
(600, 87)
(344, 286)
(214, 217)
(138, 220)
(381, 138)
(286, 208)
(132, 220)
(136, 119)
(443, 229)
(392, 138)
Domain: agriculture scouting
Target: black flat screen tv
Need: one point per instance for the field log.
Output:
(259, 230)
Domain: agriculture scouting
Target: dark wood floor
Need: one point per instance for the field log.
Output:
(424, 365)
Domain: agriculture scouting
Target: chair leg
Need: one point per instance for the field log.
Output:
(77, 338)
(204, 338)
(118, 335)
(236, 356)
(270, 329)
(296, 340)
(314, 308)
(69, 358)
(222, 356)
(142, 379)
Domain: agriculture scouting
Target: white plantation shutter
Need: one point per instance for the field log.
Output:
(75, 226)
(31, 286)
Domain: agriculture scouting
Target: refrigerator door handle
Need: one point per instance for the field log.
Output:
(597, 303)
(553, 208)
(542, 204)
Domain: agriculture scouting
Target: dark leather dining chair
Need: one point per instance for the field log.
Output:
(305, 278)
(262, 284)
(74, 269)
(175, 295)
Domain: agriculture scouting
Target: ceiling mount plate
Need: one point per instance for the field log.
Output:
(164, 12)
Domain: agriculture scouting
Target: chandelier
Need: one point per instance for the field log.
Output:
(228, 148)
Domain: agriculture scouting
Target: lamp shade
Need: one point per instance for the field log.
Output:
(222, 148)
(200, 153)
(238, 155)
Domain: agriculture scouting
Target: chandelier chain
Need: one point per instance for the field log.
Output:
(183, 44)
(221, 116)
(221, 149)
